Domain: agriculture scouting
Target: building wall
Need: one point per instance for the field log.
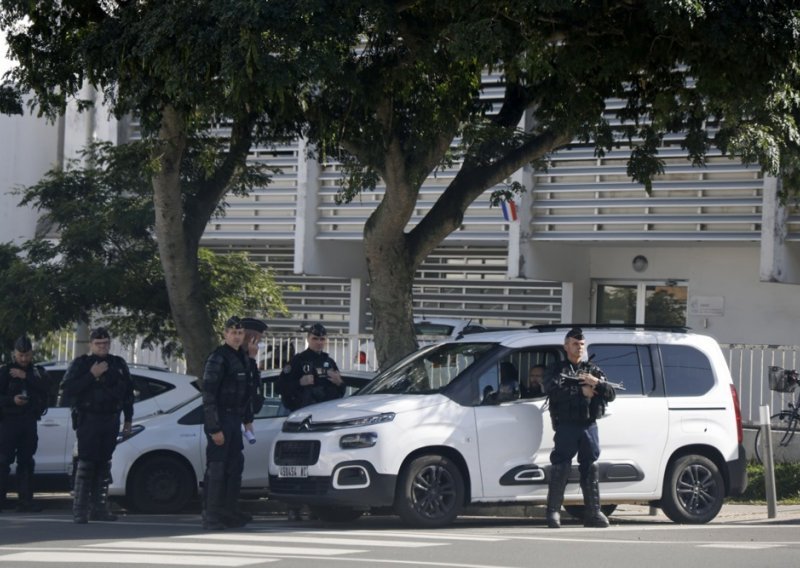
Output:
(754, 312)
(28, 149)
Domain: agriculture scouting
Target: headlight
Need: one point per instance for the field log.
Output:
(135, 429)
(369, 420)
(361, 440)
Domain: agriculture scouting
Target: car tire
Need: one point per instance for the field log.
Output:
(430, 492)
(693, 490)
(577, 511)
(160, 484)
(336, 514)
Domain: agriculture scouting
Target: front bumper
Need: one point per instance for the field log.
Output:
(353, 484)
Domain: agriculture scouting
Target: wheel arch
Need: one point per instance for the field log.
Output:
(142, 459)
(706, 451)
(450, 453)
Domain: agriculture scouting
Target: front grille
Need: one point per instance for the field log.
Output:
(301, 452)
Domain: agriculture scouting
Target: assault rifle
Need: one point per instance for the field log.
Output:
(574, 378)
(584, 366)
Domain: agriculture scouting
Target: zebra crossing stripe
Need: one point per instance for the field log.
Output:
(158, 559)
(338, 541)
(222, 548)
(437, 536)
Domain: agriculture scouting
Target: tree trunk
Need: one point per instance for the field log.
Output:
(178, 250)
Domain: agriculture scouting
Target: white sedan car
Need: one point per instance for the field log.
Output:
(159, 467)
(156, 390)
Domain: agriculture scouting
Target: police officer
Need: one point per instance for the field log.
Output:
(227, 404)
(99, 387)
(24, 389)
(311, 376)
(575, 407)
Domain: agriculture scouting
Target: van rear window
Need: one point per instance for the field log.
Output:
(687, 371)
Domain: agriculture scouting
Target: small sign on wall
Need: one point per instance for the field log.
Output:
(706, 306)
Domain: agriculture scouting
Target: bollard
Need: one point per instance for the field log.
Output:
(769, 462)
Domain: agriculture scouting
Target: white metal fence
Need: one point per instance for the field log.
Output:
(748, 363)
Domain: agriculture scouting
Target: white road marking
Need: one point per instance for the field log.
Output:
(742, 545)
(157, 559)
(171, 545)
(263, 537)
(412, 534)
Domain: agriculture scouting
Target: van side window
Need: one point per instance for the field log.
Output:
(687, 371)
(629, 364)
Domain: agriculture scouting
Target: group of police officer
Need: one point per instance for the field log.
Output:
(99, 388)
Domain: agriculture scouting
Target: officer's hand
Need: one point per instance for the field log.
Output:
(17, 373)
(335, 377)
(307, 380)
(20, 400)
(588, 379)
(218, 438)
(588, 391)
(252, 348)
(99, 368)
(127, 428)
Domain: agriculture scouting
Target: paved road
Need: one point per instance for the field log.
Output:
(742, 536)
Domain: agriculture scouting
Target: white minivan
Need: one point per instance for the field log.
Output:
(434, 433)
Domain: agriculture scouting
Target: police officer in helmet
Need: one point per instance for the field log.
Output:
(100, 387)
(575, 407)
(23, 399)
(227, 405)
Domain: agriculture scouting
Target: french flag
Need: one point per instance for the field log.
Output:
(509, 210)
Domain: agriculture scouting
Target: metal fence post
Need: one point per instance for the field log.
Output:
(769, 462)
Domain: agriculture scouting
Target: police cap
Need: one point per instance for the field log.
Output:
(318, 329)
(23, 344)
(574, 333)
(99, 333)
(254, 324)
(234, 322)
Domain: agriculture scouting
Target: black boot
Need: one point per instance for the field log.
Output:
(590, 485)
(83, 488)
(100, 504)
(231, 515)
(25, 489)
(214, 496)
(559, 473)
(4, 471)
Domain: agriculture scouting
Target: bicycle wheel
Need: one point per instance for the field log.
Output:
(783, 420)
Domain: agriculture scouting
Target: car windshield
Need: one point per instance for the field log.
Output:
(428, 328)
(428, 370)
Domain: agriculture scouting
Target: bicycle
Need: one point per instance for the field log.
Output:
(782, 380)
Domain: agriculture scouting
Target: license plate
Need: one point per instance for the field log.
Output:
(293, 471)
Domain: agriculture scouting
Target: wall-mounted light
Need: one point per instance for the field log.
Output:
(639, 263)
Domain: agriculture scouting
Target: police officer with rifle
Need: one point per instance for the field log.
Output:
(575, 406)
(100, 388)
(24, 389)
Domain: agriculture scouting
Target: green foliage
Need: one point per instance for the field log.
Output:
(787, 482)
(106, 259)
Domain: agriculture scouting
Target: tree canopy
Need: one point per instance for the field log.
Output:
(394, 91)
(105, 261)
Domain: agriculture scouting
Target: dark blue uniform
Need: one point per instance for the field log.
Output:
(18, 435)
(574, 418)
(230, 380)
(309, 362)
(97, 403)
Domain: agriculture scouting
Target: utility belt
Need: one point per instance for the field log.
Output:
(78, 415)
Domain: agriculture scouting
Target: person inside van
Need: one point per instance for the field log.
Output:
(532, 386)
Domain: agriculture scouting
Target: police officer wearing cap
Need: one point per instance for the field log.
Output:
(312, 375)
(575, 407)
(100, 389)
(23, 399)
(227, 405)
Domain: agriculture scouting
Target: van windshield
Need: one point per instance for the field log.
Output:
(428, 370)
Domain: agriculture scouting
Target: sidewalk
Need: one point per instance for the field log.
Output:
(730, 513)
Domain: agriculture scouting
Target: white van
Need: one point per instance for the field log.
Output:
(430, 434)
